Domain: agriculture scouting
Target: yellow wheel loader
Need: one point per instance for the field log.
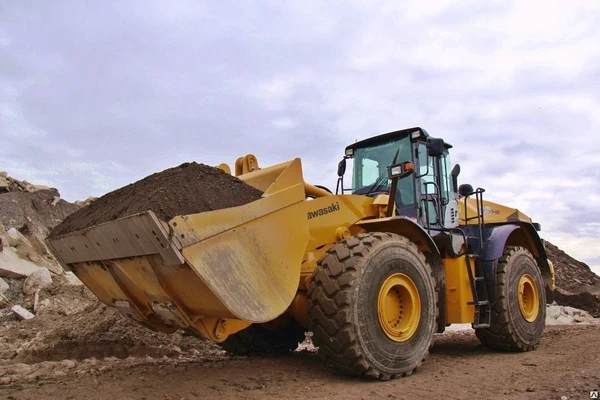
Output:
(373, 270)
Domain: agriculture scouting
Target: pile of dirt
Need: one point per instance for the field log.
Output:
(72, 324)
(576, 284)
(187, 189)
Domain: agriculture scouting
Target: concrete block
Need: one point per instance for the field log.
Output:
(39, 279)
(12, 266)
(21, 312)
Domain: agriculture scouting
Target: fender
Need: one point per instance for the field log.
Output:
(497, 237)
(414, 232)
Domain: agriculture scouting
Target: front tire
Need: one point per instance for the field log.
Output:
(519, 315)
(372, 306)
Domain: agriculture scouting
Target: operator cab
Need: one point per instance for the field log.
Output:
(417, 166)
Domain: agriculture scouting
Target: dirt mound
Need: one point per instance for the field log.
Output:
(571, 274)
(72, 324)
(99, 331)
(187, 189)
(576, 284)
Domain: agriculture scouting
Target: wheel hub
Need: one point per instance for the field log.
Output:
(529, 298)
(399, 307)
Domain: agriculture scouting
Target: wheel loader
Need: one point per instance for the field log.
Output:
(373, 271)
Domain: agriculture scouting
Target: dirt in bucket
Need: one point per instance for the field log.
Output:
(186, 189)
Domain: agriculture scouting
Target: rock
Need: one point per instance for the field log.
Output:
(36, 300)
(68, 364)
(559, 315)
(72, 279)
(15, 237)
(552, 312)
(3, 286)
(37, 280)
(21, 312)
(36, 251)
(12, 266)
(86, 202)
(42, 306)
(4, 184)
(568, 310)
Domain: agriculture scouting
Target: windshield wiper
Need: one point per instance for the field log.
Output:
(378, 183)
(383, 177)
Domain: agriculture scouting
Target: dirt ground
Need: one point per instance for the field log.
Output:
(565, 366)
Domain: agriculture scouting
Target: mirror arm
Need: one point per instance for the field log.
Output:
(392, 197)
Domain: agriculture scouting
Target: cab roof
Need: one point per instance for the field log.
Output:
(386, 137)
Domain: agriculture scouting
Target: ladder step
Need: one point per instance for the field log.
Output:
(479, 303)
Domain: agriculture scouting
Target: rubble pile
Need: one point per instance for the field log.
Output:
(27, 214)
(10, 184)
(576, 284)
(71, 324)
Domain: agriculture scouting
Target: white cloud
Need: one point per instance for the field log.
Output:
(284, 123)
(513, 85)
(275, 92)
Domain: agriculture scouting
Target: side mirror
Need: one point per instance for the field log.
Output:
(455, 172)
(341, 167)
(465, 190)
(435, 147)
(401, 170)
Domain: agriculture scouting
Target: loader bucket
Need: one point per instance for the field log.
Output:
(196, 270)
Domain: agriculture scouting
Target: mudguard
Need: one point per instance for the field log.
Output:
(496, 237)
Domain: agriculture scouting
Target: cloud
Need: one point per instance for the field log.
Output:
(93, 96)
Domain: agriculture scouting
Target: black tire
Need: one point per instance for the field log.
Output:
(343, 306)
(509, 330)
(257, 340)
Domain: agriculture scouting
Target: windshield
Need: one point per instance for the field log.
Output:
(370, 169)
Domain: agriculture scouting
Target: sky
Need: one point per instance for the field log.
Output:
(95, 95)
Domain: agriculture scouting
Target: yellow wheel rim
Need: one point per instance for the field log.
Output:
(529, 298)
(399, 307)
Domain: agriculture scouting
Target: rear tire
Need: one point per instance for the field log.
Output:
(519, 315)
(256, 340)
(372, 306)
